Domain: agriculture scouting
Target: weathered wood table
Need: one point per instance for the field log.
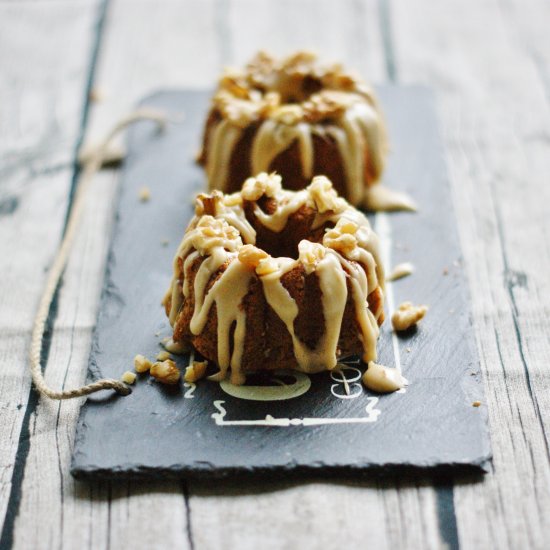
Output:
(69, 69)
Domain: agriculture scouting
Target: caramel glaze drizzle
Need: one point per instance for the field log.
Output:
(271, 93)
(221, 233)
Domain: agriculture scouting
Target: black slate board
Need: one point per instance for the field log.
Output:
(203, 431)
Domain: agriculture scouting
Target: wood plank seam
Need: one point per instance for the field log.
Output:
(509, 284)
(384, 11)
(23, 447)
(94, 57)
(446, 514)
(512, 278)
(223, 31)
(446, 517)
(480, 122)
(188, 518)
(24, 444)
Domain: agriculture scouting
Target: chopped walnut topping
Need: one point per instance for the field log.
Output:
(310, 254)
(288, 114)
(234, 81)
(210, 204)
(401, 270)
(382, 379)
(267, 266)
(165, 372)
(327, 104)
(251, 256)
(338, 80)
(196, 371)
(262, 184)
(210, 232)
(144, 194)
(97, 94)
(270, 102)
(240, 112)
(174, 347)
(163, 355)
(324, 196)
(255, 93)
(407, 315)
(299, 62)
(128, 377)
(141, 363)
(262, 62)
(342, 237)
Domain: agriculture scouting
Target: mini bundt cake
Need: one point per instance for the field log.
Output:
(298, 118)
(268, 278)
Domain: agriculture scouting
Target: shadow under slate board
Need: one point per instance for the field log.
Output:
(294, 424)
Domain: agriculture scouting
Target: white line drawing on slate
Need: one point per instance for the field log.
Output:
(351, 385)
(384, 230)
(372, 416)
(280, 391)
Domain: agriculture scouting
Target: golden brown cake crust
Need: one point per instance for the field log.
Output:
(330, 125)
(267, 343)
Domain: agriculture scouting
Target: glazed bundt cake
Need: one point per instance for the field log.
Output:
(268, 278)
(298, 118)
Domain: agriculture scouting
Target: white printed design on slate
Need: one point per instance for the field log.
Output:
(352, 387)
(279, 391)
(288, 391)
(383, 228)
(344, 388)
(372, 416)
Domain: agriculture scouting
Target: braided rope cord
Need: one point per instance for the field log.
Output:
(91, 167)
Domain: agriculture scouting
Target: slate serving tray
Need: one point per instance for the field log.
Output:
(204, 430)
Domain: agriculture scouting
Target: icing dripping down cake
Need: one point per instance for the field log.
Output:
(268, 278)
(299, 118)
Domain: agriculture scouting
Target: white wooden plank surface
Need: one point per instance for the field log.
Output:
(41, 96)
(489, 64)
(495, 114)
(149, 45)
(128, 69)
(315, 516)
(347, 32)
